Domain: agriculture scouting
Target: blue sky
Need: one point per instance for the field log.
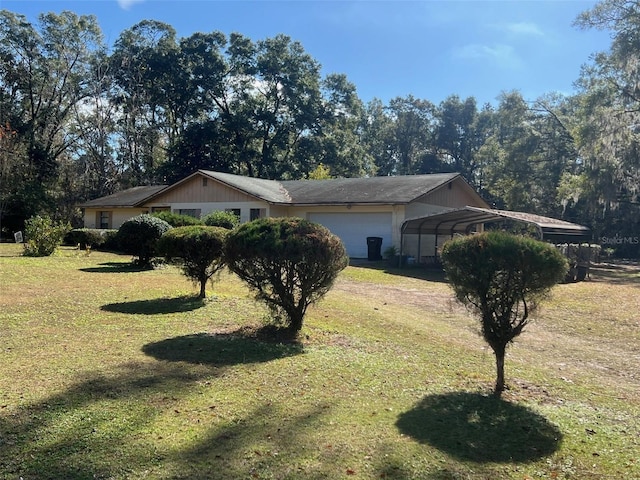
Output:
(429, 49)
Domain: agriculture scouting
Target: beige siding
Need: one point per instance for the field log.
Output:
(279, 211)
(455, 194)
(196, 191)
(416, 209)
(118, 216)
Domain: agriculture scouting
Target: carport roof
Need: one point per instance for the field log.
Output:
(462, 221)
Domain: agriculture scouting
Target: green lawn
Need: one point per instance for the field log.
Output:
(111, 373)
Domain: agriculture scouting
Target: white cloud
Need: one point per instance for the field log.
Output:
(525, 28)
(499, 54)
(127, 4)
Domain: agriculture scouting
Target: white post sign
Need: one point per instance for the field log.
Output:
(18, 237)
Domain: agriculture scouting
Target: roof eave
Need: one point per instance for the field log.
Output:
(344, 204)
(241, 190)
(141, 203)
(106, 205)
(443, 183)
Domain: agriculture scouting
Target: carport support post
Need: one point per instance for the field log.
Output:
(401, 244)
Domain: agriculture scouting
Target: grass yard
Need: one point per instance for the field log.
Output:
(112, 373)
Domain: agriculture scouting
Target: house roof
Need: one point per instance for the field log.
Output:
(372, 190)
(461, 220)
(268, 190)
(336, 191)
(126, 198)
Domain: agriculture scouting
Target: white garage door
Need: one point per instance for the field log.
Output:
(354, 228)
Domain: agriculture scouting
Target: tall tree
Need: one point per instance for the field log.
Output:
(11, 171)
(404, 137)
(530, 150)
(202, 139)
(456, 139)
(282, 105)
(144, 61)
(94, 125)
(377, 135)
(609, 138)
(337, 142)
(44, 76)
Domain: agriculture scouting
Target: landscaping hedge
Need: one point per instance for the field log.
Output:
(92, 237)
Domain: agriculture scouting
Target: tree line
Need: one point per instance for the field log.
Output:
(80, 119)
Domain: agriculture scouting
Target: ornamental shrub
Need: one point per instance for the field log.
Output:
(177, 220)
(110, 240)
(87, 237)
(503, 278)
(219, 218)
(43, 236)
(198, 249)
(139, 235)
(289, 262)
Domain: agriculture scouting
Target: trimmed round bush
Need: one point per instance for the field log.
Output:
(289, 262)
(503, 278)
(222, 219)
(198, 249)
(139, 235)
(177, 220)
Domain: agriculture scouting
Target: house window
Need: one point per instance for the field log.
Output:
(235, 211)
(191, 212)
(256, 213)
(204, 182)
(160, 209)
(104, 220)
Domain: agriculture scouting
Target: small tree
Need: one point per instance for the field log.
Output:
(289, 262)
(43, 236)
(219, 218)
(502, 277)
(198, 248)
(139, 235)
(321, 172)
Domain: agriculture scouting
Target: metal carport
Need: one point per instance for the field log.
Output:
(465, 220)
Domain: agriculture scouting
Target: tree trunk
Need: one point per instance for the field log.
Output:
(499, 353)
(203, 289)
(295, 323)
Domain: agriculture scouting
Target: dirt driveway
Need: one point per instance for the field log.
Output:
(590, 329)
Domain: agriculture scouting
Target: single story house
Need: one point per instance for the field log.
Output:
(386, 209)
(352, 208)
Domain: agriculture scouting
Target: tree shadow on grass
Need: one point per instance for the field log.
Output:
(625, 273)
(156, 306)
(115, 267)
(69, 435)
(471, 426)
(220, 349)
